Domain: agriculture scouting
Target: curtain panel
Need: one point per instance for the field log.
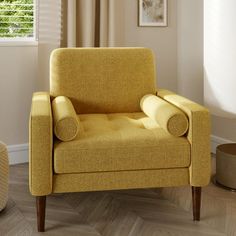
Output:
(98, 23)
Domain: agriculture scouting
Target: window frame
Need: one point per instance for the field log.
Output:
(33, 41)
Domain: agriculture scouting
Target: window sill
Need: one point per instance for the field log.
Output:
(22, 43)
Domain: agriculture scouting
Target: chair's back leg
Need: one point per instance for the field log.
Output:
(196, 199)
(41, 206)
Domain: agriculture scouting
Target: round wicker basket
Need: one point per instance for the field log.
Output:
(4, 174)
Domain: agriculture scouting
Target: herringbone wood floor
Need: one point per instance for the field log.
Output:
(118, 213)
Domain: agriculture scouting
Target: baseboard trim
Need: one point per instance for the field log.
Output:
(18, 153)
(215, 141)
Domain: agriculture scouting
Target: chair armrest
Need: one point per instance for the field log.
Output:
(198, 136)
(40, 145)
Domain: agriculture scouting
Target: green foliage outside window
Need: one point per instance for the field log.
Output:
(16, 20)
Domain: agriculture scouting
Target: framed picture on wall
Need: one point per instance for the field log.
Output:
(153, 13)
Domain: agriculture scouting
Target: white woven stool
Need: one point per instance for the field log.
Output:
(4, 173)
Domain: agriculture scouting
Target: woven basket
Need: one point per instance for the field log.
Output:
(4, 173)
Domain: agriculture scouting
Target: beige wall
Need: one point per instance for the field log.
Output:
(190, 49)
(18, 71)
(224, 128)
(163, 41)
(43, 58)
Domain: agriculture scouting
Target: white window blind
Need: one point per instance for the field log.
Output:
(49, 21)
(17, 19)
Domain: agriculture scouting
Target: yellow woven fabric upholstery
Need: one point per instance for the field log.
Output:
(120, 180)
(4, 175)
(40, 143)
(116, 142)
(198, 136)
(167, 115)
(66, 122)
(117, 146)
(103, 80)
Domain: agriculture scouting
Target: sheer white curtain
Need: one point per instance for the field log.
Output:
(49, 37)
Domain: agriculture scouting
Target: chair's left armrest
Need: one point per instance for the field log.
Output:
(198, 136)
(40, 144)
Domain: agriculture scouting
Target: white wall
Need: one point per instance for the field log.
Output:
(220, 66)
(219, 56)
(18, 74)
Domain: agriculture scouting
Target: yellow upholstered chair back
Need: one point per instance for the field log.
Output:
(103, 80)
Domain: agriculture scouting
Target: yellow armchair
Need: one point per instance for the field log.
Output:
(117, 145)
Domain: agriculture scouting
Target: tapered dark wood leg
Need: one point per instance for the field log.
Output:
(196, 198)
(41, 206)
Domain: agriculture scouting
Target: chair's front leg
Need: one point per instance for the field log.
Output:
(196, 199)
(41, 206)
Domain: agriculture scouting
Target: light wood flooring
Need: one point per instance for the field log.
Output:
(150, 212)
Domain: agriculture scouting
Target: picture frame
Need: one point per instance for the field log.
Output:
(153, 13)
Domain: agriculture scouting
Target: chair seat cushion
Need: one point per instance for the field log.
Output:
(120, 141)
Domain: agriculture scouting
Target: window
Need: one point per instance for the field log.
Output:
(17, 20)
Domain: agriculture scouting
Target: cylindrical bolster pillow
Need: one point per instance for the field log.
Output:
(165, 114)
(66, 122)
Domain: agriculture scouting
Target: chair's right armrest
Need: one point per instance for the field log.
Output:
(40, 145)
(198, 136)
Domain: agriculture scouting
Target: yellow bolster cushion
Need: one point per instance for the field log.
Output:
(66, 122)
(165, 114)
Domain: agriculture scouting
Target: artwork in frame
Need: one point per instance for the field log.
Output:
(153, 13)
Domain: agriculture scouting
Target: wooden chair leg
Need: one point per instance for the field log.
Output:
(41, 206)
(196, 199)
